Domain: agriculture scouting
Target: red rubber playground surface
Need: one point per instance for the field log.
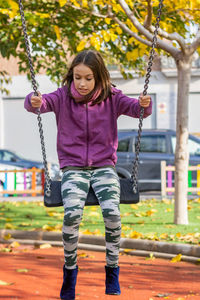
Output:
(32, 273)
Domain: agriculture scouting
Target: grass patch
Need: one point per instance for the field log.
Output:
(150, 219)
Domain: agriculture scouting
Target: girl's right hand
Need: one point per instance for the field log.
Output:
(36, 101)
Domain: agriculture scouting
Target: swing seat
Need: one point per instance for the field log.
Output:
(127, 196)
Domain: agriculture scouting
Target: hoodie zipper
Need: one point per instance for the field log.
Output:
(87, 136)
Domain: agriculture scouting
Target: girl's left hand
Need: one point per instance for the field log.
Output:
(144, 101)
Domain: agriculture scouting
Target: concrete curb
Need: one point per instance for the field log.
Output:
(137, 247)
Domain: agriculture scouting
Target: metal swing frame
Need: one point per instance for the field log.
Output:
(128, 187)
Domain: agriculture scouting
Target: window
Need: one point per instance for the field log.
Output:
(193, 146)
(7, 156)
(123, 145)
(153, 143)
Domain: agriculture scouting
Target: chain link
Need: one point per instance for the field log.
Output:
(35, 88)
(134, 175)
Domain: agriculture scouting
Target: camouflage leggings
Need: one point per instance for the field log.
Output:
(75, 186)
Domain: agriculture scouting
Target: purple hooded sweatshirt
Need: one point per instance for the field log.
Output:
(87, 135)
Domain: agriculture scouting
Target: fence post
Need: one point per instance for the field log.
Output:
(5, 186)
(15, 182)
(189, 180)
(33, 181)
(198, 179)
(169, 180)
(163, 178)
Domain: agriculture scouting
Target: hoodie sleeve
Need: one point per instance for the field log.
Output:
(50, 102)
(130, 106)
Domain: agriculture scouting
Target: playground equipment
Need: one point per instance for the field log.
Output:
(167, 179)
(22, 182)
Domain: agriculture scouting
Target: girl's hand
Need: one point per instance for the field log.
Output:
(36, 101)
(144, 101)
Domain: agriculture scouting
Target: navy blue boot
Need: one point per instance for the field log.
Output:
(112, 281)
(69, 282)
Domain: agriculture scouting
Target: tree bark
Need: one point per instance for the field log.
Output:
(182, 154)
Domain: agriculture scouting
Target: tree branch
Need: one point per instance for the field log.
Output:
(193, 47)
(87, 11)
(160, 43)
(170, 36)
(148, 19)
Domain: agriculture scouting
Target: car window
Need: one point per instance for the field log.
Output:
(153, 143)
(7, 156)
(123, 145)
(193, 146)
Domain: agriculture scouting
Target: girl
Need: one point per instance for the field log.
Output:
(86, 108)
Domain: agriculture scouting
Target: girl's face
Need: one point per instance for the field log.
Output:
(83, 79)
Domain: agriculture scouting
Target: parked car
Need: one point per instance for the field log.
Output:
(11, 158)
(156, 145)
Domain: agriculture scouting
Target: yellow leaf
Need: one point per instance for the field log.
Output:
(9, 220)
(163, 236)
(81, 45)
(151, 212)
(83, 254)
(95, 43)
(127, 250)
(139, 215)
(131, 40)
(57, 31)
(177, 258)
(178, 234)
(9, 226)
(7, 237)
(106, 35)
(22, 270)
(151, 257)
(107, 20)
(15, 245)
(94, 214)
(75, 3)
(45, 246)
(168, 209)
(13, 5)
(6, 250)
(5, 283)
(87, 231)
(135, 235)
(42, 16)
(62, 2)
(85, 3)
(134, 206)
(97, 232)
(119, 30)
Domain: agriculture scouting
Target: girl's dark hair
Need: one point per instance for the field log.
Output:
(94, 61)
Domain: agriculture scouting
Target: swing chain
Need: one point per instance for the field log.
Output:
(34, 85)
(134, 176)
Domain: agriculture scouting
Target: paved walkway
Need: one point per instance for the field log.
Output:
(37, 274)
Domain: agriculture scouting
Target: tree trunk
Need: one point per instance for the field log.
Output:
(182, 153)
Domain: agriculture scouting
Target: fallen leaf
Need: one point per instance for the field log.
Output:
(134, 206)
(22, 270)
(135, 235)
(7, 236)
(83, 255)
(159, 295)
(45, 246)
(15, 244)
(9, 226)
(6, 250)
(151, 257)
(5, 283)
(177, 258)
